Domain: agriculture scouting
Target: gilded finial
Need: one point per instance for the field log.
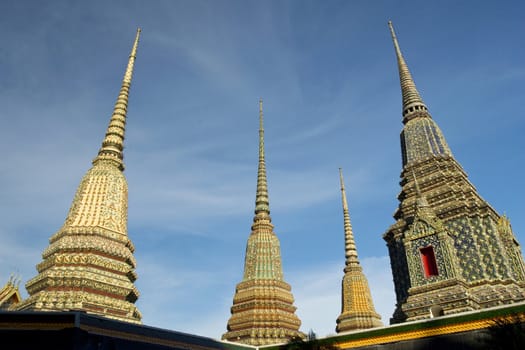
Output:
(113, 143)
(14, 280)
(350, 248)
(262, 205)
(261, 115)
(413, 104)
(394, 37)
(345, 204)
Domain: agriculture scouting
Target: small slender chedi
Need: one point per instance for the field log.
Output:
(89, 263)
(357, 308)
(449, 249)
(263, 311)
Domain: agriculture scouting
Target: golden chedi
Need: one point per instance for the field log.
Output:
(357, 307)
(89, 263)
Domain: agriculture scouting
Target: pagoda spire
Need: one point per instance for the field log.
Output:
(413, 104)
(357, 309)
(89, 263)
(350, 249)
(259, 264)
(263, 312)
(421, 137)
(262, 203)
(113, 143)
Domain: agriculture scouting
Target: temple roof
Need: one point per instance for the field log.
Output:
(10, 294)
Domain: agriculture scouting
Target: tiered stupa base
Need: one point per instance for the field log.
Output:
(359, 311)
(263, 314)
(78, 300)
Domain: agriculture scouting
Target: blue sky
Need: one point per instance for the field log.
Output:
(328, 76)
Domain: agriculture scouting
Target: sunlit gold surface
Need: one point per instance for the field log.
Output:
(357, 307)
(10, 294)
(89, 263)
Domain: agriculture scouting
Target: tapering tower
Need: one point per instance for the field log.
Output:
(89, 263)
(448, 247)
(357, 307)
(263, 311)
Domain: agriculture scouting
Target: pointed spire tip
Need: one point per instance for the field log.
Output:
(393, 34)
(413, 104)
(261, 198)
(113, 143)
(343, 191)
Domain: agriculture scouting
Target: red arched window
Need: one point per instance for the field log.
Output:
(428, 258)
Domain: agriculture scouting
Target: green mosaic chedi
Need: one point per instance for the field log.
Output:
(263, 312)
(448, 246)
